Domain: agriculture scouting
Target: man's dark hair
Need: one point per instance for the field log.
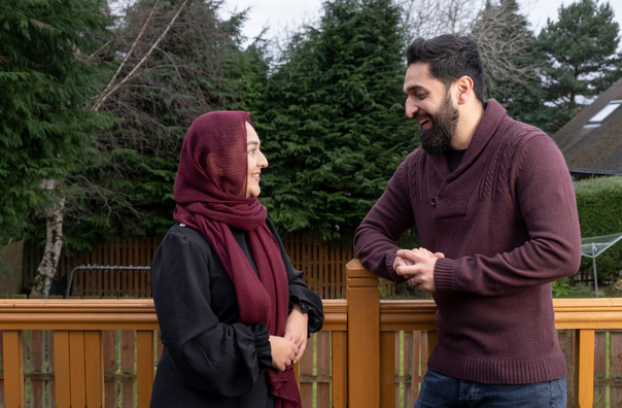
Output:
(451, 57)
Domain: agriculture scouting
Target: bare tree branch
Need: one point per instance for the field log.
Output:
(127, 57)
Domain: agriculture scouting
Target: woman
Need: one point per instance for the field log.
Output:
(234, 313)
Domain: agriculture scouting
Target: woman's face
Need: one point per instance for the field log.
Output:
(256, 162)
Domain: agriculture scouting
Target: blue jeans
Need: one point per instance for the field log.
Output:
(441, 391)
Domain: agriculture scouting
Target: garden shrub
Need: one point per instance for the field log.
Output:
(599, 201)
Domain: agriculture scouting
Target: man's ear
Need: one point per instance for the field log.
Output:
(464, 87)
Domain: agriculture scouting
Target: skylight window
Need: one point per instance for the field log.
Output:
(604, 112)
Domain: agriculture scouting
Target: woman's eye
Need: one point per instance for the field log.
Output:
(252, 151)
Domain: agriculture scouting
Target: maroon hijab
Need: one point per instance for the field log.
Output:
(210, 190)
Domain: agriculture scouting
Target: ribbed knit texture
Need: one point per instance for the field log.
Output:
(506, 220)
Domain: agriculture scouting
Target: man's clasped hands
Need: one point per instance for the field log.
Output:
(417, 266)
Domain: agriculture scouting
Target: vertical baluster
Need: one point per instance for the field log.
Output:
(340, 369)
(110, 367)
(62, 389)
(306, 373)
(94, 368)
(584, 374)
(128, 339)
(13, 348)
(323, 369)
(145, 366)
(615, 366)
(387, 369)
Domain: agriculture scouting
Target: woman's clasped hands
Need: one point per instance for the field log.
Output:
(289, 349)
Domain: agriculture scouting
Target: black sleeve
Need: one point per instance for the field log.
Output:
(210, 356)
(299, 293)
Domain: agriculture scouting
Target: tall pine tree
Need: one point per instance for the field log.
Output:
(333, 124)
(580, 48)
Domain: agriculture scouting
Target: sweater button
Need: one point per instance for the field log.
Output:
(433, 201)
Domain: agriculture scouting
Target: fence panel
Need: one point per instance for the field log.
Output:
(323, 264)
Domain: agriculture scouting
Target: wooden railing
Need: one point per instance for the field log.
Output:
(362, 333)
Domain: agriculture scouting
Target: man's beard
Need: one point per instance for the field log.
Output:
(437, 139)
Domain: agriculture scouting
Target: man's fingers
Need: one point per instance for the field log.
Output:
(409, 270)
(439, 255)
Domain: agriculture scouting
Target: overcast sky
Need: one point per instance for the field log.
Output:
(291, 13)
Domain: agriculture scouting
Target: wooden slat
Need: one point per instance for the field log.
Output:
(145, 366)
(584, 383)
(416, 365)
(36, 360)
(94, 368)
(615, 366)
(387, 369)
(62, 380)
(77, 369)
(323, 369)
(397, 367)
(340, 369)
(408, 367)
(13, 353)
(600, 367)
(50, 352)
(127, 366)
(110, 367)
(306, 368)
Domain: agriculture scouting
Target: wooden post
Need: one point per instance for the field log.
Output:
(363, 336)
(584, 369)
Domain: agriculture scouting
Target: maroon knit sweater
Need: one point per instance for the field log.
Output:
(506, 220)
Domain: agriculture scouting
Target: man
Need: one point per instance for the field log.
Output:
(494, 208)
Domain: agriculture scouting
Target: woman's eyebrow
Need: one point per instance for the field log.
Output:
(252, 143)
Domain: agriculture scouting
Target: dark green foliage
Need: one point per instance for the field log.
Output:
(580, 48)
(198, 67)
(333, 124)
(599, 201)
(45, 81)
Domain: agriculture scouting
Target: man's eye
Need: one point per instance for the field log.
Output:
(420, 96)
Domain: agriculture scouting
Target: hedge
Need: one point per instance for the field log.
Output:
(599, 201)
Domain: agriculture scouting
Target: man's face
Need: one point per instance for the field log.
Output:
(430, 103)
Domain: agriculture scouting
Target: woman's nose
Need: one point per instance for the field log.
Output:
(263, 161)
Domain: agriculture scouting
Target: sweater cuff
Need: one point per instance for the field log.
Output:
(390, 258)
(261, 342)
(444, 274)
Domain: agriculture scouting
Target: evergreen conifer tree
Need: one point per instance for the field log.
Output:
(580, 48)
(333, 124)
(46, 78)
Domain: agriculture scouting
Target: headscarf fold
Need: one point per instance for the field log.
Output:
(210, 191)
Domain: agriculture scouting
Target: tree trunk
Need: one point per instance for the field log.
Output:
(54, 216)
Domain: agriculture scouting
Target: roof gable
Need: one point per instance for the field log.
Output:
(590, 147)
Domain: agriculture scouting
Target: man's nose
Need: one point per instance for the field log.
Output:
(411, 108)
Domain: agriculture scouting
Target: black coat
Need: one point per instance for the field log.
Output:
(210, 359)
